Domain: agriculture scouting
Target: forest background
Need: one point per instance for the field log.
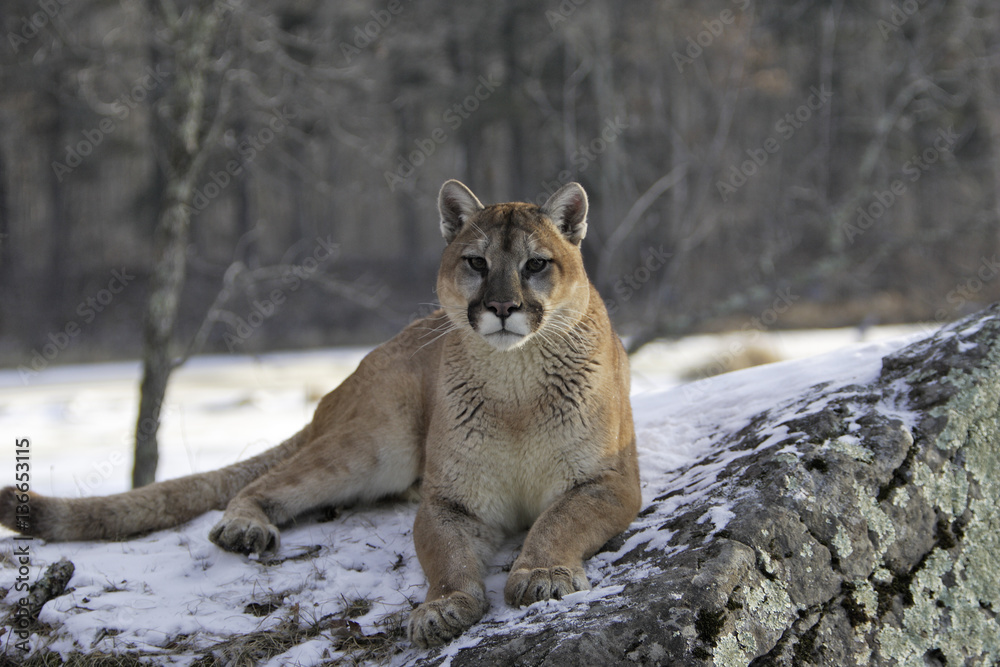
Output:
(183, 177)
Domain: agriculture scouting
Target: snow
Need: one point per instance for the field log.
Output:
(173, 593)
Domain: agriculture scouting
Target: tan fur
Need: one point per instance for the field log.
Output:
(510, 405)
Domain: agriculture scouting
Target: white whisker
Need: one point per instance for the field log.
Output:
(447, 330)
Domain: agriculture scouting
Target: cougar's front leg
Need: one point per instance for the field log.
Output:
(573, 528)
(452, 546)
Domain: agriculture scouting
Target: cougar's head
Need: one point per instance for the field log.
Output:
(511, 271)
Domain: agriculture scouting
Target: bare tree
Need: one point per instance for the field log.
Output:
(190, 123)
(217, 54)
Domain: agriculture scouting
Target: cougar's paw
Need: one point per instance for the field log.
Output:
(526, 586)
(245, 535)
(438, 621)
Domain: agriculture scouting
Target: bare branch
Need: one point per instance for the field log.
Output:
(635, 213)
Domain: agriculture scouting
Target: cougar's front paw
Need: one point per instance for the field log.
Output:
(525, 586)
(438, 621)
(246, 535)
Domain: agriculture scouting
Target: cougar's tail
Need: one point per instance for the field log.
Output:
(148, 508)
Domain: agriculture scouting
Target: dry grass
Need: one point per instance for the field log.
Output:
(52, 659)
(345, 635)
(743, 357)
(349, 644)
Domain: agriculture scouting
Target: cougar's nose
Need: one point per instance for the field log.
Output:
(502, 309)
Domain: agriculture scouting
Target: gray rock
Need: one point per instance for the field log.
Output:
(869, 534)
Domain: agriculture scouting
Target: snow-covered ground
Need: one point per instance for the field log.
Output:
(175, 589)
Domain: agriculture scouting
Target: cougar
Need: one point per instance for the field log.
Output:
(509, 406)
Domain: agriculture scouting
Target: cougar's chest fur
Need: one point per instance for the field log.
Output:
(514, 429)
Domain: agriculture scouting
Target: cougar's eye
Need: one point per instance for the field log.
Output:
(477, 264)
(535, 264)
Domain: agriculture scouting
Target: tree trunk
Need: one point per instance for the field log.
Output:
(410, 224)
(166, 283)
(57, 271)
(6, 270)
(186, 141)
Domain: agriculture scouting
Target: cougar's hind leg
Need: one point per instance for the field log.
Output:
(331, 470)
(366, 442)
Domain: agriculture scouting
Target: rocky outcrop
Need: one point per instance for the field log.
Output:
(854, 525)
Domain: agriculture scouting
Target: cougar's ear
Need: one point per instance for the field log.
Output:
(456, 204)
(568, 209)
